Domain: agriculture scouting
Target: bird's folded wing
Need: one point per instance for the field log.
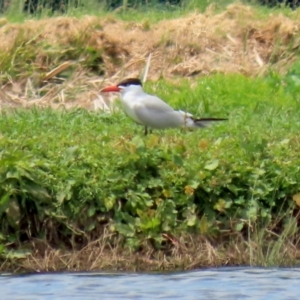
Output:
(155, 113)
(155, 104)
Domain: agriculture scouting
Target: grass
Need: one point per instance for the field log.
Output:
(153, 11)
(237, 40)
(85, 190)
(70, 178)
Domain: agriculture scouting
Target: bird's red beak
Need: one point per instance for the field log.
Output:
(112, 88)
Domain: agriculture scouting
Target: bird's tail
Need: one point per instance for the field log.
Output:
(204, 122)
(191, 122)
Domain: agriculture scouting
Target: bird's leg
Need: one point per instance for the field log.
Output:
(185, 128)
(146, 130)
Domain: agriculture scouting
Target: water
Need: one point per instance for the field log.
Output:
(222, 283)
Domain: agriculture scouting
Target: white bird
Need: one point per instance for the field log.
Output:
(151, 111)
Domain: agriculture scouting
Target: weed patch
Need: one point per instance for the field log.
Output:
(66, 176)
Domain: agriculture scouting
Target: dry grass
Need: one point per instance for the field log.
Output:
(184, 253)
(98, 256)
(236, 40)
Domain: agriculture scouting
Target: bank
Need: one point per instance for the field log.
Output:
(83, 189)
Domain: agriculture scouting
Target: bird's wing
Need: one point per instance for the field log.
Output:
(155, 113)
(155, 104)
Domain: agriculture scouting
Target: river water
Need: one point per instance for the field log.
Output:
(219, 283)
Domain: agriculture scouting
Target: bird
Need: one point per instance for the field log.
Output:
(152, 112)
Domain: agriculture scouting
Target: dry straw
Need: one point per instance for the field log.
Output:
(234, 41)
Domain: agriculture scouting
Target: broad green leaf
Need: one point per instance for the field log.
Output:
(37, 191)
(125, 230)
(18, 254)
(61, 196)
(4, 202)
(212, 165)
(191, 221)
(149, 223)
(220, 205)
(153, 141)
(90, 227)
(239, 226)
(138, 142)
(109, 202)
(91, 211)
(203, 225)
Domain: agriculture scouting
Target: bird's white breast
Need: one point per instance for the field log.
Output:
(129, 100)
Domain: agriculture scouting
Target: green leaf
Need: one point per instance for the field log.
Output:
(204, 225)
(2, 249)
(149, 223)
(61, 196)
(212, 165)
(109, 202)
(13, 174)
(91, 211)
(4, 202)
(18, 254)
(37, 191)
(138, 142)
(125, 230)
(191, 220)
(194, 184)
(90, 227)
(220, 205)
(239, 226)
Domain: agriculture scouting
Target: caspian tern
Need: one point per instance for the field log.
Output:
(152, 112)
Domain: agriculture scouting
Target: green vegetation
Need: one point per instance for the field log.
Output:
(82, 189)
(67, 175)
(138, 11)
(152, 11)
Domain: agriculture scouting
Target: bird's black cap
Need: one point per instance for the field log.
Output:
(130, 81)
